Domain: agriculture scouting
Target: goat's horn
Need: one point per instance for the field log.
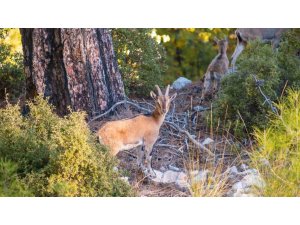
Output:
(167, 90)
(158, 90)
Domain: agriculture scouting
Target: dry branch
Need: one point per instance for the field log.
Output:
(191, 138)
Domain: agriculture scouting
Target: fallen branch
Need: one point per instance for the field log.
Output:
(259, 83)
(190, 137)
(115, 105)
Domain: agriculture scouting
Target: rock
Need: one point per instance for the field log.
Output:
(180, 83)
(265, 162)
(244, 167)
(201, 176)
(252, 180)
(241, 194)
(233, 170)
(170, 176)
(159, 176)
(238, 186)
(207, 141)
(182, 181)
(125, 179)
(200, 108)
(249, 171)
(174, 168)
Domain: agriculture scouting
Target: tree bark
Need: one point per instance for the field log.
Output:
(73, 67)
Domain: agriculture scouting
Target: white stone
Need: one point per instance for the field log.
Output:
(182, 181)
(174, 168)
(159, 176)
(207, 141)
(252, 180)
(265, 162)
(249, 171)
(244, 167)
(233, 170)
(237, 186)
(180, 83)
(200, 108)
(170, 176)
(125, 179)
(201, 176)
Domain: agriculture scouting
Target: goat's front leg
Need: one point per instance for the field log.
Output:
(140, 155)
(206, 86)
(148, 150)
(216, 83)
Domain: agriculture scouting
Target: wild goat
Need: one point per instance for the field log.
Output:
(216, 69)
(243, 35)
(141, 131)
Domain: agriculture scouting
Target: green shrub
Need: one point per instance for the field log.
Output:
(279, 145)
(57, 156)
(240, 105)
(140, 59)
(239, 101)
(11, 64)
(10, 184)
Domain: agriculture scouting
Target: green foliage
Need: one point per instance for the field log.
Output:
(240, 105)
(239, 101)
(57, 156)
(279, 145)
(11, 63)
(10, 184)
(140, 59)
(190, 50)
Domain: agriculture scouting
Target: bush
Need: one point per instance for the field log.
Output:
(10, 184)
(11, 65)
(240, 104)
(278, 155)
(57, 156)
(140, 59)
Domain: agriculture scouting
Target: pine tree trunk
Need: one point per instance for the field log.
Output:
(73, 67)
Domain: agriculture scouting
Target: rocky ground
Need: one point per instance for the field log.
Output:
(181, 167)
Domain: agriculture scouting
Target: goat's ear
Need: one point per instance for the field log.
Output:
(153, 95)
(173, 97)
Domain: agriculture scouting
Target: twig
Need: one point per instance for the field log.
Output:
(108, 111)
(191, 138)
(258, 84)
(115, 105)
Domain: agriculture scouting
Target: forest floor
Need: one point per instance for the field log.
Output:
(173, 150)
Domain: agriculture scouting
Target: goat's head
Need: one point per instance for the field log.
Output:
(222, 44)
(162, 102)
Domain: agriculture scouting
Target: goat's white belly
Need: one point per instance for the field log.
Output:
(133, 145)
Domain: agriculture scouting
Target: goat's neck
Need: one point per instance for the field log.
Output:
(222, 52)
(158, 117)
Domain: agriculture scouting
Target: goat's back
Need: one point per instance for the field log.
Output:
(219, 64)
(262, 33)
